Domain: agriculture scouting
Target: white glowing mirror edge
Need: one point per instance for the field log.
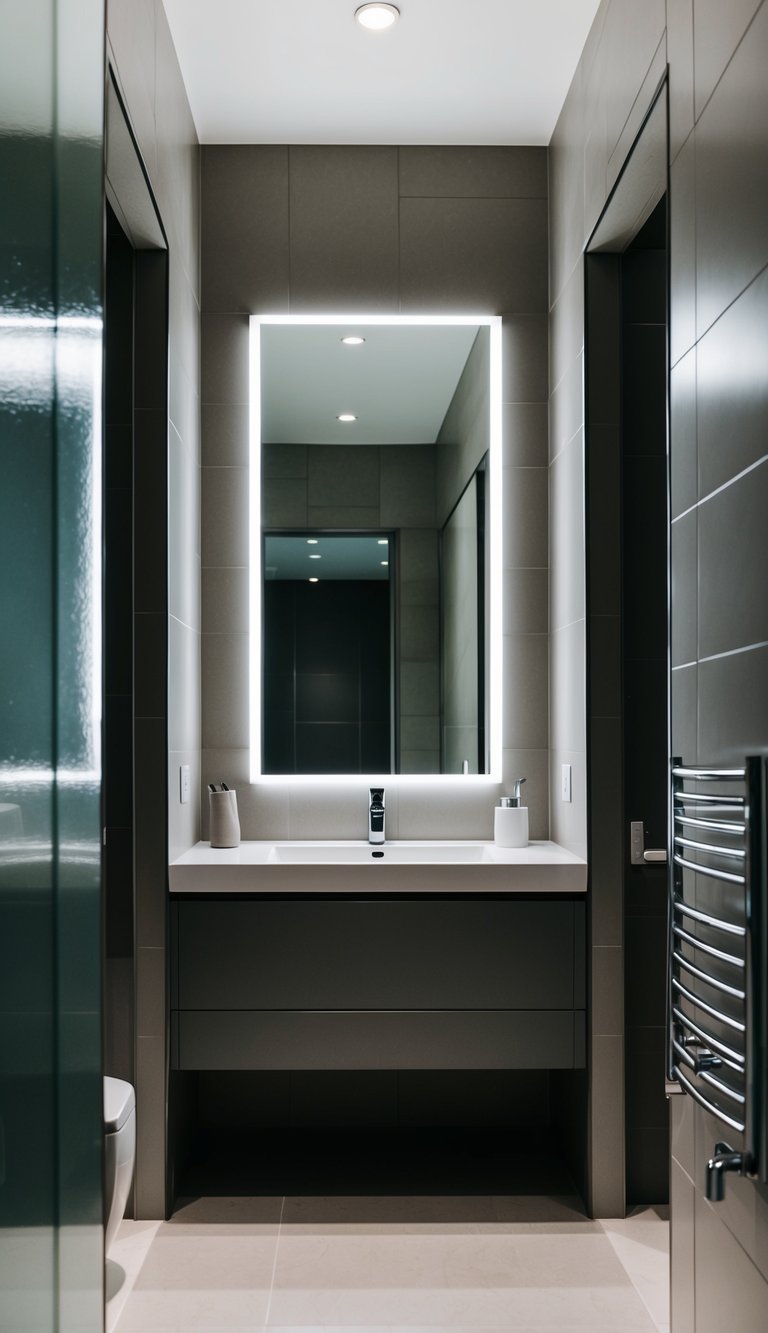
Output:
(495, 463)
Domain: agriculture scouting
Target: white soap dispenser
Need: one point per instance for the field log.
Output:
(510, 819)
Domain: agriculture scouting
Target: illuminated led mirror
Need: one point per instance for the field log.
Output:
(375, 548)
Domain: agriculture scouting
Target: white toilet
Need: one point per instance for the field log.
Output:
(119, 1152)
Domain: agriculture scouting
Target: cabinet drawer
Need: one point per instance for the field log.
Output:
(363, 954)
(535, 1039)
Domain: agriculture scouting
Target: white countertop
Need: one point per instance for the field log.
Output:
(396, 867)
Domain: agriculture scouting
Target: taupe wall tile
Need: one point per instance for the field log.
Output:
(225, 516)
(225, 600)
(343, 228)
(525, 601)
(473, 172)
(225, 689)
(525, 517)
(225, 358)
(225, 434)
(524, 434)
(525, 692)
(473, 254)
(245, 255)
(524, 358)
(718, 29)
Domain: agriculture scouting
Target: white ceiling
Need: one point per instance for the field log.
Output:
(399, 383)
(449, 72)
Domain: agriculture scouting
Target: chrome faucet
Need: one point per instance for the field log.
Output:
(376, 815)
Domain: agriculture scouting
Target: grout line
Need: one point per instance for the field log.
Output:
(568, 442)
(274, 1262)
(734, 652)
(719, 489)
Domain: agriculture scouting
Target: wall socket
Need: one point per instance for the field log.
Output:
(184, 784)
(566, 783)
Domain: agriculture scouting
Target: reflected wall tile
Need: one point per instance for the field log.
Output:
(524, 341)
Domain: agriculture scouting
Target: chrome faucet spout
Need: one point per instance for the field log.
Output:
(376, 815)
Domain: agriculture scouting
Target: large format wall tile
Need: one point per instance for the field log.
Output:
(343, 228)
(473, 254)
(732, 397)
(473, 173)
(733, 557)
(717, 31)
(245, 259)
(732, 179)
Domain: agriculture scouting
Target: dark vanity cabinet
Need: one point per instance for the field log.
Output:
(366, 983)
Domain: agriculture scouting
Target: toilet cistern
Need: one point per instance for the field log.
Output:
(376, 815)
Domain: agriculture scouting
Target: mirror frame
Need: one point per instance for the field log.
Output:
(255, 572)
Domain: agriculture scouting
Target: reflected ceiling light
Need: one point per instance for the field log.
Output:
(383, 541)
(353, 340)
(313, 580)
(311, 541)
(377, 17)
(384, 562)
(346, 416)
(315, 557)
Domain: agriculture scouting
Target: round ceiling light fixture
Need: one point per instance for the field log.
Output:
(352, 340)
(377, 17)
(346, 416)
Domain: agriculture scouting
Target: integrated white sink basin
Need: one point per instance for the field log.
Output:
(363, 853)
(334, 867)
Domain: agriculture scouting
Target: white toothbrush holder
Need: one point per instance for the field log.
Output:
(224, 821)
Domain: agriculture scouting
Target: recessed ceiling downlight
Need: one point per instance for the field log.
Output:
(346, 416)
(352, 340)
(377, 17)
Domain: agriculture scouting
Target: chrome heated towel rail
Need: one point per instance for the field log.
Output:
(717, 957)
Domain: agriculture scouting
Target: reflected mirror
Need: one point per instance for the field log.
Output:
(375, 540)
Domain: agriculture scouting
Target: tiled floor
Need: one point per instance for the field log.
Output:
(419, 1265)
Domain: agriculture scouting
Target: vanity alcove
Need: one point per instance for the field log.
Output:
(312, 991)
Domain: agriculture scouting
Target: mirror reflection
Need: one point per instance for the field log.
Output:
(375, 548)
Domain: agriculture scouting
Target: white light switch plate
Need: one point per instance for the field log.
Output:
(184, 783)
(566, 783)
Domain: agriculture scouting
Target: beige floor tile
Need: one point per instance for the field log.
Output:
(200, 1275)
(641, 1243)
(129, 1250)
(338, 1276)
